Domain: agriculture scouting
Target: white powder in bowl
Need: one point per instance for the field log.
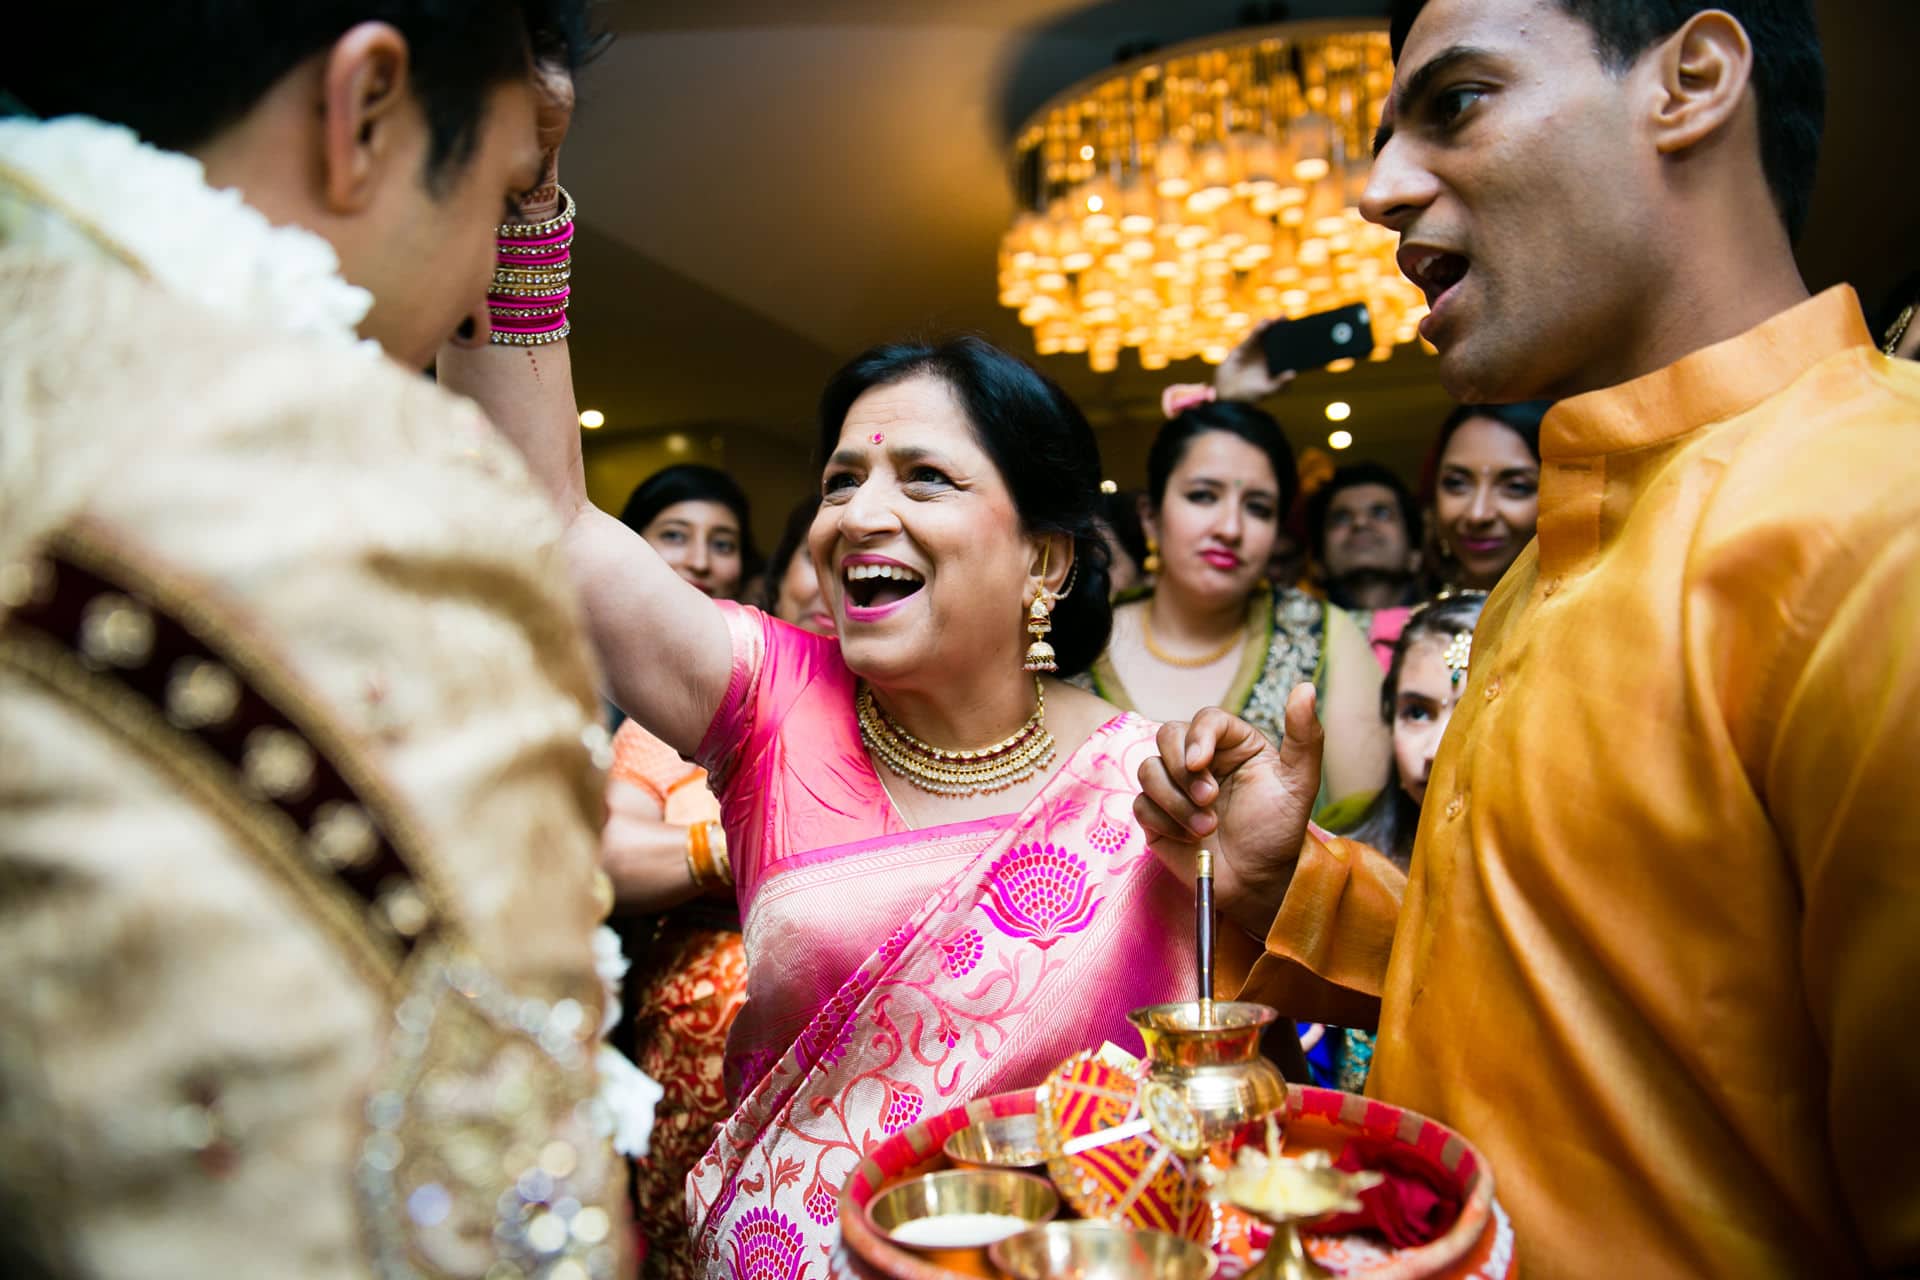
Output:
(958, 1230)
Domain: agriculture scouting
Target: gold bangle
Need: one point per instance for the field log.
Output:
(722, 859)
(534, 250)
(534, 230)
(521, 291)
(532, 309)
(531, 339)
(515, 277)
(700, 856)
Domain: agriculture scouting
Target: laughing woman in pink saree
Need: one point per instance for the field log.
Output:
(943, 888)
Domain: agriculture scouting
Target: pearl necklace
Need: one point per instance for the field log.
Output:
(1006, 763)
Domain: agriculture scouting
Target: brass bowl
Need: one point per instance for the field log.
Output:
(957, 1192)
(1100, 1251)
(1004, 1142)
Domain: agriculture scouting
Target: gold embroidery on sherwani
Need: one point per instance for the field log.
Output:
(93, 672)
(483, 1144)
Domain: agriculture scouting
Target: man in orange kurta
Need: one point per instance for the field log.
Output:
(1659, 951)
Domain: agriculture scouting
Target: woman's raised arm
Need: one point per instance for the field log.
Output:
(663, 644)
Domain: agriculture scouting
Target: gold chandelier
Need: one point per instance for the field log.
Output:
(1174, 202)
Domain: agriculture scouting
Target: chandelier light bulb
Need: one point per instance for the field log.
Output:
(1339, 411)
(1340, 439)
(1174, 202)
(592, 419)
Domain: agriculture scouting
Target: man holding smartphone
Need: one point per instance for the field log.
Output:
(1658, 946)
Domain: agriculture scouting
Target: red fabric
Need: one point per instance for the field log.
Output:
(1415, 1205)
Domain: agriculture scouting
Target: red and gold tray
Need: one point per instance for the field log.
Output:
(1479, 1244)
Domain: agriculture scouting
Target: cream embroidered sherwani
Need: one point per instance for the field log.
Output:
(215, 1059)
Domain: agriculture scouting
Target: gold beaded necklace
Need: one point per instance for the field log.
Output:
(1175, 660)
(1006, 763)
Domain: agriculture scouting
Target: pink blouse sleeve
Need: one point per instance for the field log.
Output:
(773, 665)
(784, 750)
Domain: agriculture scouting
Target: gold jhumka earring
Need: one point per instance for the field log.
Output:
(1040, 656)
(1151, 565)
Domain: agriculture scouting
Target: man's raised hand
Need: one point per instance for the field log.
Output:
(1219, 781)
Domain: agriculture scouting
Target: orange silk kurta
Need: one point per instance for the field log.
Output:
(1659, 955)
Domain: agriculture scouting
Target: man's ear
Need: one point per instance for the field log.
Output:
(1705, 69)
(366, 104)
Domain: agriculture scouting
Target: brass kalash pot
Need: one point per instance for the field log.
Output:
(1205, 1075)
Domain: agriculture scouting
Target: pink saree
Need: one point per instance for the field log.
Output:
(895, 973)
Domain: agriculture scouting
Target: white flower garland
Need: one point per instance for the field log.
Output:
(628, 1093)
(155, 207)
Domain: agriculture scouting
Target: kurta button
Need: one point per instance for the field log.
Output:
(1553, 585)
(1493, 688)
(1456, 806)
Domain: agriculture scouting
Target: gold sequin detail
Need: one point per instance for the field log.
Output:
(403, 910)
(24, 582)
(201, 694)
(342, 836)
(277, 763)
(115, 631)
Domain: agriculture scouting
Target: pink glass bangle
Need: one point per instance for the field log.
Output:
(522, 326)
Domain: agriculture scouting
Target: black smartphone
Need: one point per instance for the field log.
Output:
(1312, 342)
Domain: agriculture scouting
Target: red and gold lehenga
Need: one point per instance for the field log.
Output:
(688, 982)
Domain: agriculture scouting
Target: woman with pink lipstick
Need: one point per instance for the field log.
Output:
(929, 832)
(1212, 631)
(1486, 491)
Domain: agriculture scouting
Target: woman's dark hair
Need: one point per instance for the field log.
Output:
(1039, 442)
(1392, 820)
(177, 73)
(1234, 418)
(1523, 419)
(793, 542)
(1121, 512)
(692, 482)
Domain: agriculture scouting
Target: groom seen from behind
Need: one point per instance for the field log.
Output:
(297, 723)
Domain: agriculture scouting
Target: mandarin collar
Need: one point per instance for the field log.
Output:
(1711, 385)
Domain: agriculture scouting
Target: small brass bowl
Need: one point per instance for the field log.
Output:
(1100, 1251)
(963, 1198)
(1004, 1142)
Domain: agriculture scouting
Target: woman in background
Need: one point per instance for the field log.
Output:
(1212, 631)
(1486, 498)
(689, 975)
(697, 518)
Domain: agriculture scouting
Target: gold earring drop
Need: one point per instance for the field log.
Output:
(1040, 656)
(1151, 565)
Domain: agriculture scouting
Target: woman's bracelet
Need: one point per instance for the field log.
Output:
(707, 859)
(532, 282)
